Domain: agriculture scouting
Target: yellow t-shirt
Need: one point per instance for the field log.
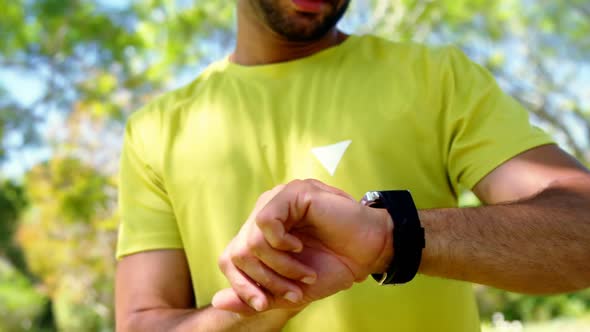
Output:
(368, 114)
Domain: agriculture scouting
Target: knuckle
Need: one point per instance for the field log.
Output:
(222, 262)
(310, 184)
(255, 241)
(296, 183)
(262, 220)
(240, 257)
(224, 258)
(265, 216)
(271, 192)
(278, 188)
(308, 196)
(264, 197)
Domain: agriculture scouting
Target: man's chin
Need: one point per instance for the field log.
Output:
(301, 20)
(304, 27)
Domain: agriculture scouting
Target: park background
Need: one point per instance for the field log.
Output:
(71, 72)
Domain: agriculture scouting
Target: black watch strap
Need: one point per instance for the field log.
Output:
(408, 236)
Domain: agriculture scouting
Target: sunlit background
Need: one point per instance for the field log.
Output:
(71, 72)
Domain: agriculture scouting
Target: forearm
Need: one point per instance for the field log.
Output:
(538, 245)
(205, 319)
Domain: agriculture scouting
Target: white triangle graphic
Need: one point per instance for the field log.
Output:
(330, 155)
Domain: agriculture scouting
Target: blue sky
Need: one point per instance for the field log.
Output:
(25, 88)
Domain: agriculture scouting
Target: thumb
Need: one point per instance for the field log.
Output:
(227, 299)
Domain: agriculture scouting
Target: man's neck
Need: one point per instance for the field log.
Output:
(258, 45)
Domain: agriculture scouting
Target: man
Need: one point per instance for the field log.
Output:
(299, 99)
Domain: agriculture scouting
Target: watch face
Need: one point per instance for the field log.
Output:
(370, 198)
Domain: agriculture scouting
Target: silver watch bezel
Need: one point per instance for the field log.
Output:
(370, 198)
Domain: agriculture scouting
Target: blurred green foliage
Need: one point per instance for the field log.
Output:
(529, 308)
(12, 203)
(94, 62)
(21, 305)
(68, 237)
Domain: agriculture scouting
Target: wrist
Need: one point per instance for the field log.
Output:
(386, 231)
(434, 236)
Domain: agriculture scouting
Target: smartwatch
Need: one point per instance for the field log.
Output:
(408, 234)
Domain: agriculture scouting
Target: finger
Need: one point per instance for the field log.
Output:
(227, 299)
(246, 289)
(286, 265)
(262, 200)
(286, 208)
(275, 284)
(259, 250)
(276, 235)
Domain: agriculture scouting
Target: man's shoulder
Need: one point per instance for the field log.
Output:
(168, 104)
(405, 52)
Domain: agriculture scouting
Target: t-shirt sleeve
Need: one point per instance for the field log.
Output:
(147, 217)
(485, 126)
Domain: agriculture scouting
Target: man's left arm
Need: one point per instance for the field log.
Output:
(532, 237)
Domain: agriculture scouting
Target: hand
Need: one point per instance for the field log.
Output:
(303, 242)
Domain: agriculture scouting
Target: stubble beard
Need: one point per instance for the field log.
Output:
(303, 27)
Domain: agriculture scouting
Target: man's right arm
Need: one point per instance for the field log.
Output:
(154, 293)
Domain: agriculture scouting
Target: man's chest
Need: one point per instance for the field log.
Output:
(236, 154)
